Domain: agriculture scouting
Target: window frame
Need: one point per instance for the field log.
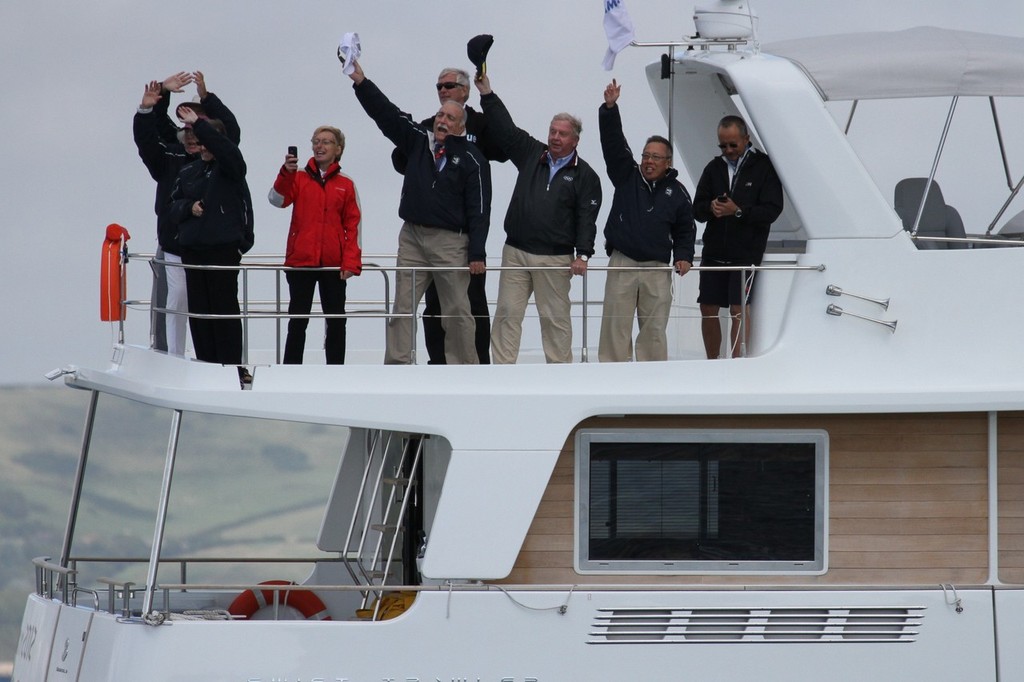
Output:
(581, 509)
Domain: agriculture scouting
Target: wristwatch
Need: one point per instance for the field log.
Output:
(584, 257)
(739, 212)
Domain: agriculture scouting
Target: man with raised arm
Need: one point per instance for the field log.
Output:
(650, 225)
(453, 83)
(446, 204)
(551, 221)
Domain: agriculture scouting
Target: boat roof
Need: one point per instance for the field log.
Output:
(916, 62)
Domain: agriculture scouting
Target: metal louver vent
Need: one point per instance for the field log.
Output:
(794, 624)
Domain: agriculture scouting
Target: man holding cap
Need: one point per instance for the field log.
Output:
(551, 217)
(446, 205)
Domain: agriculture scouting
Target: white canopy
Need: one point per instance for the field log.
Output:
(917, 62)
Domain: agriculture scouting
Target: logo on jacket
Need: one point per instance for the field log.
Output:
(567, 178)
(668, 191)
(455, 160)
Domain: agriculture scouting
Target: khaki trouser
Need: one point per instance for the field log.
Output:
(648, 296)
(551, 290)
(419, 245)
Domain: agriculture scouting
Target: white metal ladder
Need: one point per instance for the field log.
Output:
(370, 553)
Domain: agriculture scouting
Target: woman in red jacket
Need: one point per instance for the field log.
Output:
(324, 237)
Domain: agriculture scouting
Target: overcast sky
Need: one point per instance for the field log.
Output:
(73, 74)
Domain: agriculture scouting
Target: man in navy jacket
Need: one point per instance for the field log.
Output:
(446, 206)
(453, 83)
(211, 208)
(649, 226)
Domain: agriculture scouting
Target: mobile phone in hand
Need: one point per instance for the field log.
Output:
(293, 150)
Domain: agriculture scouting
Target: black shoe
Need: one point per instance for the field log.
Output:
(244, 378)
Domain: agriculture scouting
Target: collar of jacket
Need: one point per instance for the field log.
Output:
(574, 161)
(670, 174)
(314, 170)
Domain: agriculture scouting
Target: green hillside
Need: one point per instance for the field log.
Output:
(40, 435)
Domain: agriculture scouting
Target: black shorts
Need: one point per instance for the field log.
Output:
(724, 288)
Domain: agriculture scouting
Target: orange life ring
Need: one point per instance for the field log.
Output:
(112, 275)
(304, 601)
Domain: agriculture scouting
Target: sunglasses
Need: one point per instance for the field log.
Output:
(450, 85)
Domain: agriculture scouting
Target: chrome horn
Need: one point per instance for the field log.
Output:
(833, 290)
(833, 309)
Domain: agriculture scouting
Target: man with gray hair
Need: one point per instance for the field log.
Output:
(551, 221)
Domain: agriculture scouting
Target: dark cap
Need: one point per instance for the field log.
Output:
(476, 50)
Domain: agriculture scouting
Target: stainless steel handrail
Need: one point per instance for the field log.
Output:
(274, 309)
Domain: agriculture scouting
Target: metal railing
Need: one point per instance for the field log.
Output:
(252, 308)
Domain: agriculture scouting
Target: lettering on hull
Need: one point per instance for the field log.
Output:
(393, 679)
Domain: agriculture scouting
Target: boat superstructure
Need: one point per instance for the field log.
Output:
(842, 503)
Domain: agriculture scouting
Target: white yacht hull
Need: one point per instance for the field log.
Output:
(492, 636)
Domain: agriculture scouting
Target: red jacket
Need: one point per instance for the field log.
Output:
(325, 218)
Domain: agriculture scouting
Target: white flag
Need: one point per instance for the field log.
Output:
(619, 29)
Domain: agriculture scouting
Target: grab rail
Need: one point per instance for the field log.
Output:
(275, 309)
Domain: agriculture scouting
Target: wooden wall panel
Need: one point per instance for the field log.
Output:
(1011, 498)
(908, 502)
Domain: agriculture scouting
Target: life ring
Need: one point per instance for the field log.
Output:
(112, 275)
(303, 601)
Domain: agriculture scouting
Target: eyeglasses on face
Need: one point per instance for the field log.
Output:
(653, 157)
(729, 145)
(448, 85)
(323, 141)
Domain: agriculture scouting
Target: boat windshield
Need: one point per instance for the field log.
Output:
(929, 102)
(243, 490)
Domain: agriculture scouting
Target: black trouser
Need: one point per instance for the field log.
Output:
(433, 331)
(332, 300)
(214, 292)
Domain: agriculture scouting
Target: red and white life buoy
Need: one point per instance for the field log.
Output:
(303, 601)
(112, 275)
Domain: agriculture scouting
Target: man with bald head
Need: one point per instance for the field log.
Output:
(445, 206)
(454, 84)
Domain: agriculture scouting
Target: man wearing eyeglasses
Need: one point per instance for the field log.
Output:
(649, 226)
(453, 84)
(445, 206)
(739, 196)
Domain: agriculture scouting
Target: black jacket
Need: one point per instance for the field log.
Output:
(648, 221)
(545, 217)
(156, 138)
(757, 191)
(456, 198)
(221, 186)
(476, 132)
